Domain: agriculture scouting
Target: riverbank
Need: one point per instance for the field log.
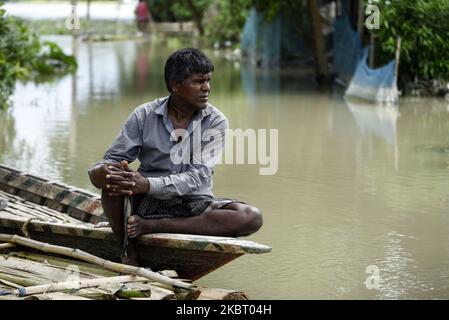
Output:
(427, 88)
(41, 10)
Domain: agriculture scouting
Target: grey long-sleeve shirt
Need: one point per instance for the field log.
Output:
(173, 168)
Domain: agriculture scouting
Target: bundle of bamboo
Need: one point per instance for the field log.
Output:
(65, 273)
(3, 204)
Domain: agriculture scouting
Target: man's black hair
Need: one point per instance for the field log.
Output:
(184, 62)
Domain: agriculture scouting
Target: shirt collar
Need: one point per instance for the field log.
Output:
(161, 109)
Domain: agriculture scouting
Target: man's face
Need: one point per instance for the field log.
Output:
(194, 90)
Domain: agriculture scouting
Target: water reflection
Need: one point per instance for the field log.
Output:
(379, 120)
(337, 203)
(7, 130)
(376, 119)
(55, 10)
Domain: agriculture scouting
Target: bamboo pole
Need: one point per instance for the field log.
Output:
(20, 281)
(67, 285)
(84, 256)
(3, 204)
(55, 296)
(144, 290)
(22, 267)
(98, 293)
(4, 246)
(13, 270)
(10, 298)
(9, 284)
(57, 262)
(29, 280)
(133, 293)
(24, 277)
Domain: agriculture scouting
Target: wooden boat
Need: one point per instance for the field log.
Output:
(59, 214)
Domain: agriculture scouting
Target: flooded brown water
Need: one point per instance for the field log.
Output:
(357, 186)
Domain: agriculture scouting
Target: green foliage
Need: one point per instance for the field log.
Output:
(161, 10)
(231, 16)
(23, 56)
(54, 60)
(272, 7)
(228, 22)
(184, 12)
(220, 19)
(223, 20)
(17, 48)
(423, 26)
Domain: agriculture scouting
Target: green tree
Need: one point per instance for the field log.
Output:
(229, 20)
(423, 26)
(220, 20)
(191, 9)
(23, 56)
(231, 16)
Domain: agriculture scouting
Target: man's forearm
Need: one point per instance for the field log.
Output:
(181, 183)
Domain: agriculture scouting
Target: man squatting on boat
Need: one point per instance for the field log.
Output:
(166, 195)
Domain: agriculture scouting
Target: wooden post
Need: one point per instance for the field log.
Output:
(398, 55)
(360, 17)
(319, 46)
(88, 16)
(119, 24)
(371, 51)
(76, 22)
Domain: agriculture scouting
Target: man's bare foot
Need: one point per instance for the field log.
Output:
(138, 226)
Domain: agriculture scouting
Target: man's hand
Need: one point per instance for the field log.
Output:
(122, 180)
(99, 173)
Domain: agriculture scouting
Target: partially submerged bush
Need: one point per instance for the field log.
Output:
(23, 56)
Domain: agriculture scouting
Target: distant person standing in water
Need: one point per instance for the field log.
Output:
(142, 15)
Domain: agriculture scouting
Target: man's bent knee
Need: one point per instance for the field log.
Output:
(252, 220)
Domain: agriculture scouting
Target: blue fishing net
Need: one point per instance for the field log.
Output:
(350, 66)
(275, 43)
(377, 85)
(347, 49)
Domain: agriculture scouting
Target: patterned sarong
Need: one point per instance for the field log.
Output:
(150, 207)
